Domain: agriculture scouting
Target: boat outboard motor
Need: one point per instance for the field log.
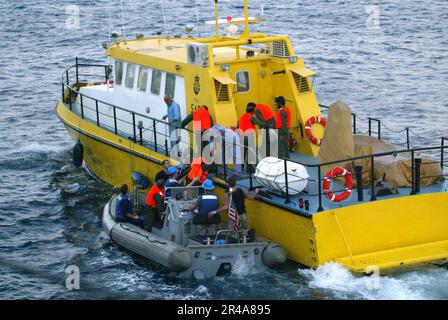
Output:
(78, 154)
(140, 181)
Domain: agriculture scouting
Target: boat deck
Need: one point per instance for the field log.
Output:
(311, 194)
(312, 191)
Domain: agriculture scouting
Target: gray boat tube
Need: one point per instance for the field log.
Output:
(144, 243)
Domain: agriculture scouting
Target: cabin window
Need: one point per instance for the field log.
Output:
(156, 81)
(142, 79)
(170, 84)
(130, 76)
(118, 72)
(242, 79)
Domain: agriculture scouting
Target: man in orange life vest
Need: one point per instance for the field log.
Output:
(198, 172)
(247, 128)
(282, 124)
(201, 121)
(154, 204)
(264, 117)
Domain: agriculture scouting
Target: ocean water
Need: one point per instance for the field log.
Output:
(388, 61)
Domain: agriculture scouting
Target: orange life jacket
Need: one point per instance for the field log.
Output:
(150, 198)
(202, 116)
(197, 171)
(265, 111)
(244, 123)
(278, 117)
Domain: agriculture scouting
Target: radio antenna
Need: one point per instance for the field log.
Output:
(163, 16)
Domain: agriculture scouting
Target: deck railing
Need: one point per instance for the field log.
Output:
(71, 92)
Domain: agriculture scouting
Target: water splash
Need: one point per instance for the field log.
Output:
(339, 283)
(244, 266)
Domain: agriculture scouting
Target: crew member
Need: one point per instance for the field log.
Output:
(282, 124)
(173, 116)
(247, 128)
(123, 208)
(172, 181)
(198, 172)
(238, 199)
(162, 174)
(202, 121)
(264, 117)
(154, 204)
(206, 203)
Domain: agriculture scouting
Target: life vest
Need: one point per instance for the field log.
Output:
(265, 111)
(197, 171)
(202, 116)
(245, 125)
(207, 203)
(150, 198)
(278, 118)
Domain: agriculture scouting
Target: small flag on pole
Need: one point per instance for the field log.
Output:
(233, 215)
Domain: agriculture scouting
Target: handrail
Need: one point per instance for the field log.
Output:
(104, 102)
(65, 81)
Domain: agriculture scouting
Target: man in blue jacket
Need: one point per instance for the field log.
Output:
(173, 116)
(123, 208)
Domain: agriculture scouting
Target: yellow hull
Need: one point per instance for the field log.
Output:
(380, 234)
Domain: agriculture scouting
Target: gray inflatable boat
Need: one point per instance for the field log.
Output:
(174, 241)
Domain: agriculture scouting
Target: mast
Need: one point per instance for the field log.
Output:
(246, 18)
(216, 19)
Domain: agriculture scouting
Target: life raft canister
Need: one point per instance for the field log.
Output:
(338, 172)
(309, 123)
(78, 154)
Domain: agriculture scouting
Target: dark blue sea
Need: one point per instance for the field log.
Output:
(388, 61)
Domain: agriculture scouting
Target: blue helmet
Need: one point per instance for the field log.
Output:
(208, 185)
(171, 170)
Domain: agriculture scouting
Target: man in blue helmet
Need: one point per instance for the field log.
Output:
(172, 182)
(206, 203)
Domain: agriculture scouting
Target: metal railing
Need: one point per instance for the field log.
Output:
(416, 176)
(76, 100)
(375, 127)
(71, 92)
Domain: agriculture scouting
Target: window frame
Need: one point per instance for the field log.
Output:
(168, 75)
(130, 65)
(121, 72)
(248, 81)
(141, 70)
(156, 71)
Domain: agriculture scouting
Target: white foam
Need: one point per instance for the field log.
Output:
(243, 266)
(40, 148)
(343, 284)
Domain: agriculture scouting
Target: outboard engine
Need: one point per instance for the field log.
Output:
(140, 181)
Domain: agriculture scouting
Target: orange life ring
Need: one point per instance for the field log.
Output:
(309, 123)
(110, 81)
(338, 171)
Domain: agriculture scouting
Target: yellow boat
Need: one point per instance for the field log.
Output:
(119, 124)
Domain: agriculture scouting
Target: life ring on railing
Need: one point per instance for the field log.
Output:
(309, 123)
(338, 171)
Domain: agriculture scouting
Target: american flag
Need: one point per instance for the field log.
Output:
(233, 215)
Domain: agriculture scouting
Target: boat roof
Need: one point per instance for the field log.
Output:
(175, 49)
